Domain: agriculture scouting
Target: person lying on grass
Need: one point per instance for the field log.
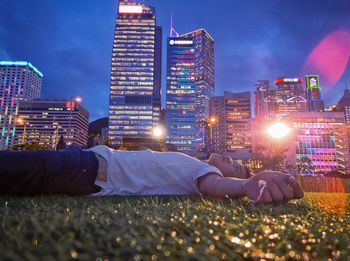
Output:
(102, 171)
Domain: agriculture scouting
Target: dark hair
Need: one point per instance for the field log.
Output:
(248, 173)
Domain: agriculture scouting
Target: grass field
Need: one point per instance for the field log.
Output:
(166, 228)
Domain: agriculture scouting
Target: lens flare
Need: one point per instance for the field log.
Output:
(278, 130)
(329, 58)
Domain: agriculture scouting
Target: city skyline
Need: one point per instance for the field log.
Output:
(253, 42)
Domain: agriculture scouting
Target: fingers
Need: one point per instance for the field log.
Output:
(266, 197)
(285, 189)
(298, 191)
(276, 193)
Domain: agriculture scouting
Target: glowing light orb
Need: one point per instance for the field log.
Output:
(158, 132)
(278, 130)
(329, 58)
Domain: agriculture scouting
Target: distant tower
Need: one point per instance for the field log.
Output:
(313, 93)
(190, 85)
(260, 94)
(135, 97)
(19, 81)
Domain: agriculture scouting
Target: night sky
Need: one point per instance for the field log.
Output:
(70, 41)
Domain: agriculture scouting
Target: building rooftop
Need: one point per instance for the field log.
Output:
(344, 100)
(22, 64)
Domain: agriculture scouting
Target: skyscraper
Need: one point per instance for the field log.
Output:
(181, 94)
(313, 93)
(190, 85)
(134, 106)
(232, 131)
(19, 81)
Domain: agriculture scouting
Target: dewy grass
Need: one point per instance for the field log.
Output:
(166, 228)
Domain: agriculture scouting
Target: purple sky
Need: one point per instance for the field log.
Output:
(70, 41)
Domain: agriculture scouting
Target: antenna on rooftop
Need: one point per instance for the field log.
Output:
(173, 33)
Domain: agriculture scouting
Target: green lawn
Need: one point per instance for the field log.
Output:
(153, 228)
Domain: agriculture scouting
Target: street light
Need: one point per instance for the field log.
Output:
(278, 130)
(213, 120)
(22, 121)
(158, 132)
(72, 107)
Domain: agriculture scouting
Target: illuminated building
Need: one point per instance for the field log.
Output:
(45, 121)
(318, 145)
(204, 79)
(190, 85)
(134, 106)
(19, 81)
(288, 96)
(344, 106)
(261, 103)
(313, 93)
(232, 131)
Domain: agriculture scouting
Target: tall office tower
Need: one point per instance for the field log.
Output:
(204, 79)
(18, 81)
(261, 92)
(181, 94)
(232, 131)
(45, 121)
(318, 144)
(190, 83)
(313, 93)
(134, 106)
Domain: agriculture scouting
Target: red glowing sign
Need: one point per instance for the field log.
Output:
(130, 9)
(70, 105)
(288, 80)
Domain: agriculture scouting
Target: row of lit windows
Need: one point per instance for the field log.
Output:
(135, 66)
(127, 42)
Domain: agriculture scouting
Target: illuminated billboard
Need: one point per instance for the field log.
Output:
(130, 9)
(180, 42)
(288, 80)
(312, 82)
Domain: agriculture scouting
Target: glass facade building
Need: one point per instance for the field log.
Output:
(181, 94)
(190, 85)
(319, 143)
(135, 84)
(19, 81)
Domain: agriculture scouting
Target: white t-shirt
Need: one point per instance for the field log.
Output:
(148, 172)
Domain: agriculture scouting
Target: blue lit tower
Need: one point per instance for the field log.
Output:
(180, 95)
(313, 93)
(190, 85)
(19, 81)
(134, 106)
(204, 79)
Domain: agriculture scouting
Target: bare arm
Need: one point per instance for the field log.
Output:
(220, 187)
(279, 187)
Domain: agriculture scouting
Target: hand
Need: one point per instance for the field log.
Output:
(272, 187)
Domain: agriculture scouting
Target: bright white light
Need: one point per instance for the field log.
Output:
(130, 9)
(78, 99)
(278, 130)
(158, 132)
